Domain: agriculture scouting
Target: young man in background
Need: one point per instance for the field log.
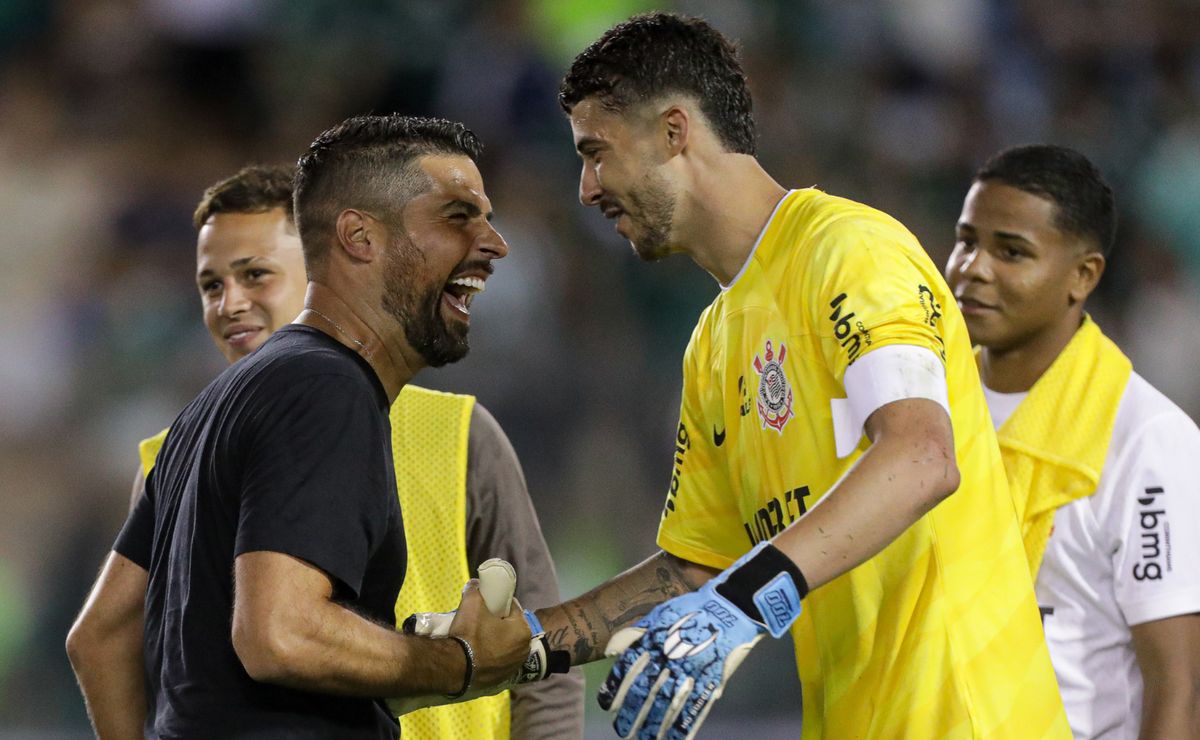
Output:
(1104, 468)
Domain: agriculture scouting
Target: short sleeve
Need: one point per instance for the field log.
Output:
(1157, 561)
(136, 539)
(315, 484)
(874, 288)
(700, 504)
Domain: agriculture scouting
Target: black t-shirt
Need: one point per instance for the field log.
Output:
(288, 450)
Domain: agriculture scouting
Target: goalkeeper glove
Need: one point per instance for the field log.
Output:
(674, 662)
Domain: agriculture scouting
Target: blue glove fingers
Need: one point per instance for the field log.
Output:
(611, 692)
(694, 711)
(633, 697)
(677, 694)
(649, 719)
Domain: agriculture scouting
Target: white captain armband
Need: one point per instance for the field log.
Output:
(887, 374)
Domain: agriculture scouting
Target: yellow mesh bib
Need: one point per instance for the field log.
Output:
(429, 444)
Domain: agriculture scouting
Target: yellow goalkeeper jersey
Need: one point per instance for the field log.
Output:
(938, 635)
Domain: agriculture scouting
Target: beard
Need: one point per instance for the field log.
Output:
(655, 205)
(419, 310)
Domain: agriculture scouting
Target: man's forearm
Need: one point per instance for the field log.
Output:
(583, 626)
(111, 677)
(105, 649)
(907, 470)
(287, 631)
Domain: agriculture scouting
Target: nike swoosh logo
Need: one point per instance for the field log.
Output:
(718, 437)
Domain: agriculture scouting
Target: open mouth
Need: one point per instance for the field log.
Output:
(460, 291)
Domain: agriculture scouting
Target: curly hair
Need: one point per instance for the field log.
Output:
(655, 54)
(369, 162)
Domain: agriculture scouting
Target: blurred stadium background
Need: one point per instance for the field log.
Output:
(115, 114)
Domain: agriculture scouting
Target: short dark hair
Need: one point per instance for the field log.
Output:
(1084, 203)
(368, 162)
(254, 189)
(655, 54)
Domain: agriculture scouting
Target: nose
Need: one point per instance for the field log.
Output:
(968, 263)
(974, 265)
(492, 244)
(233, 299)
(589, 186)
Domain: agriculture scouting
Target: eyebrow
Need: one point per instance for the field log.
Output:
(472, 209)
(1013, 236)
(1009, 235)
(588, 142)
(237, 263)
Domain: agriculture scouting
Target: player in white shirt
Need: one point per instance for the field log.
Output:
(1119, 581)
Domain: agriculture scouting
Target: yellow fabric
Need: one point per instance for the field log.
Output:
(429, 443)
(938, 635)
(1055, 443)
(148, 450)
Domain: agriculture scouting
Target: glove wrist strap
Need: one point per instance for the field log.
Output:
(767, 586)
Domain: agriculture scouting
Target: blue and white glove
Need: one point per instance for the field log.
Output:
(674, 662)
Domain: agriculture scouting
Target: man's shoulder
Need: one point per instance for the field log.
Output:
(293, 356)
(1145, 413)
(836, 216)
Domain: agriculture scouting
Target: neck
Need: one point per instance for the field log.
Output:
(726, 212)
(1015, 369)
(365, 331)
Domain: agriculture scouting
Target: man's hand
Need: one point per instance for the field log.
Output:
(674, 663)
(497, 581)
(500, 643)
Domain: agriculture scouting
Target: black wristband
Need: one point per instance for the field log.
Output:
(743, 583)
(470, 654)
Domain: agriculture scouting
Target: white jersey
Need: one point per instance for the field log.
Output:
(1128, 554)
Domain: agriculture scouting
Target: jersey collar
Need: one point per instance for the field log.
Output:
(757, 241)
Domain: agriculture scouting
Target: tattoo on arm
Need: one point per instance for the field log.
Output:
(593, 618)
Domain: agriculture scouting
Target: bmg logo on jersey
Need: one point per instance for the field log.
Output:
(774, 390)
(683, 443)
(851, 336)
(1154, 537)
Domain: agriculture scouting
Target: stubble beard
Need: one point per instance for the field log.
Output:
(419, 310)
(656, 205)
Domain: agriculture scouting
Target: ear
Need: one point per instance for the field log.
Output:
(358, 234)
(677, 127)
(1085, 277)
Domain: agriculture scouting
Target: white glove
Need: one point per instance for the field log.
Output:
(497, 583)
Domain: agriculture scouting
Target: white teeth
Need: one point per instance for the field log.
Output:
(473, 283)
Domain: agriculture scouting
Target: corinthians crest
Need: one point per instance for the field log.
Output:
(774, 390)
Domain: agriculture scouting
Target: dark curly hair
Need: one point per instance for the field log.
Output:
(651, 55)
(369, 162)
(1084, 203)
(254, 189)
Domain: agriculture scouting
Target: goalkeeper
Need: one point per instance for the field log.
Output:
(831, 408)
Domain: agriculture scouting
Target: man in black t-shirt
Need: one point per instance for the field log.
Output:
(268, 551)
